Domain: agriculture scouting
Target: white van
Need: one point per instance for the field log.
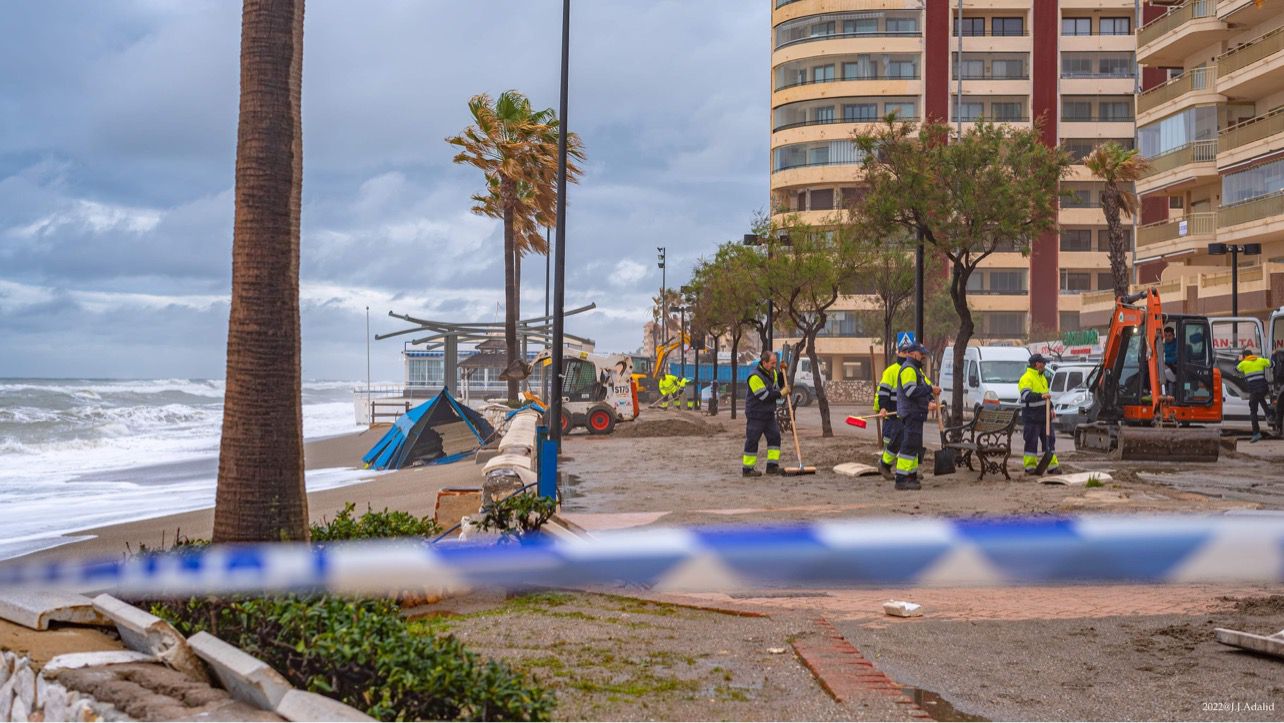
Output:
(987, 370)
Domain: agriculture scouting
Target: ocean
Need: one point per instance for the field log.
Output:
(83, 453)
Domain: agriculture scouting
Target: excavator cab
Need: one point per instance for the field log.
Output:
(1157, 378)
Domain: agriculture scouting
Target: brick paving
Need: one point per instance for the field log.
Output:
(846, 674)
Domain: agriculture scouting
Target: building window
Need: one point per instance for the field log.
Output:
(902, 26)
(972, 69)
(902, 69)
(842, 324)
(821, 29)
(1115, 66)
(1008, 69)
(1076, 26)
(1077, 198)
(1007, 26)
(1005, 323)
(1105, 281)
(1116, 26)
(971, 27)
(903, 111)
(1253, 183)
(1076, 239)
(861, 26)
(1076, 110)
(1177, 130)
(823, 115)
(1176, 202)
(822, 73)
(822, 199)
(1075, 281)
(857, 370)
(1008, 282)
(1007, 111)
(861, 69)
(860, 112)
(1068, 320)
(1115, 111)
(971, 111)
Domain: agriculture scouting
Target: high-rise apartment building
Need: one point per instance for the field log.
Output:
(838, 65)
(1210, 119)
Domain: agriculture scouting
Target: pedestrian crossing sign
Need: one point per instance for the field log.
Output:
(904, 338)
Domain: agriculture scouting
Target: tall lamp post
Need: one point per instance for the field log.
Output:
(682, 340)
(1219, 249)
(661, 252)
(548, 469)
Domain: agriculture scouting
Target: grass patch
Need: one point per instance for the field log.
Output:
(1094, 482)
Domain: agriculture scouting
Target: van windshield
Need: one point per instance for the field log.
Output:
(1002, 372)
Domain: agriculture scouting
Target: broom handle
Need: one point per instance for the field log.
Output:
(793, 426)
(1047, 427)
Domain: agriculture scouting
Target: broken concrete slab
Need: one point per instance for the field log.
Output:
(300, 705)
(855, 469)
(1266, 644)
(508, 461)
(247, 678)
(902, 609)
(146, 633)
(453, 503)
(71, 661)
(35, 609)
(1077, 479)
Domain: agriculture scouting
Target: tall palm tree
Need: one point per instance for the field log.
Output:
(515, 146)
(261, 495)
(1119, 168)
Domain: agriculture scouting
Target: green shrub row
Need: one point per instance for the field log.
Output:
(371, 524)
(362, 653)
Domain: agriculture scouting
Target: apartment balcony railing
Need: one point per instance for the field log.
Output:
(1251, 52)
(1254, 210)
(992, 34)
(868, 76)
(832, 121)
(1096, 74)
(1099, 118)
(991, 75)
(1175, 18)
(841, 36)
(1195, 224)
(1197, 152)
(1253, 129)
(1023, 118)
(1193, 79)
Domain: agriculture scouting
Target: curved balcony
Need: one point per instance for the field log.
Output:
(1260, 219)
(847, 87)
(1254, 69)
(1180, 32)
(1251, 138)
(831, 174)
(1180, 168)
(1194, 87)
(839, 45)
(839, 25)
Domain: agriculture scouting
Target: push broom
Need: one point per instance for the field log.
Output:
(793, 427)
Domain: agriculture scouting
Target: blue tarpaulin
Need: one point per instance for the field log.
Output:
(438, 431)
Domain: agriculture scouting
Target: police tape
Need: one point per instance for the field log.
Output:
(869, 553)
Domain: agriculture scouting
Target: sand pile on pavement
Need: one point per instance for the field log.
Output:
(669, 425)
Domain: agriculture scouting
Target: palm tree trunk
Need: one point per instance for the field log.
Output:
(261, 494)
(1114, 230)
(510, 302)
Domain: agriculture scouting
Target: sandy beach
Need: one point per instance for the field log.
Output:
(412, 490)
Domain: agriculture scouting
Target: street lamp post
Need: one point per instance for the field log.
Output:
(559, 267)
(1220, 249)
(682, 339)
(661, 252)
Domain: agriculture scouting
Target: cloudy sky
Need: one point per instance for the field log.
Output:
(117, 143)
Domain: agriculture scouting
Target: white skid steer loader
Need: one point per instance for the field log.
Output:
(598, 391)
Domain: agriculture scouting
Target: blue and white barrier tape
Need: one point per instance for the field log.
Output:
(876, 552)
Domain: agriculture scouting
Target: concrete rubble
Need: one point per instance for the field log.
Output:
(148, 634)
(36, 610)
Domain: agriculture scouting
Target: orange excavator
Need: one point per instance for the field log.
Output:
(1148, 399)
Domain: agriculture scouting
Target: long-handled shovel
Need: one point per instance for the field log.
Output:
(1046, 459)
(793, 427)
(943, 461)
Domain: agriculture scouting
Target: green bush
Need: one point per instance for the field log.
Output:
(518, 515)
(362, 653)
(373, 524)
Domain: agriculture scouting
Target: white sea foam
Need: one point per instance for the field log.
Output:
(67, 445)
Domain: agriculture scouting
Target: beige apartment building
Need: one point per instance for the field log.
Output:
(837, 65)
(1210, 119)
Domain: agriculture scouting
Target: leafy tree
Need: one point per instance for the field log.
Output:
(992, 188)
(733, 297)
(515, 147)
(804, 276)
(260, 494)
(1119, 168)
